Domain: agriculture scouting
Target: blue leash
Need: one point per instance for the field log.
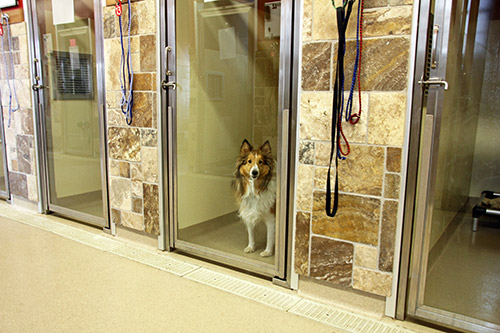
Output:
(13, 88)
(355, 71)
(127, 99)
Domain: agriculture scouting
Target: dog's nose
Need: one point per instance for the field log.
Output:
(255, 173)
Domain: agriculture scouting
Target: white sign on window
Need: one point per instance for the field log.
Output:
(63, 11)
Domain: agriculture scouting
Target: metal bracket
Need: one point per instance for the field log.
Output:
(165, 85)
(434, 81)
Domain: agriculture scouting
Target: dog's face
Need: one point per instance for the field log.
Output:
(255, 163)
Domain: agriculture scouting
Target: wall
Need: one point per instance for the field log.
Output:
(355, 249)
(20, 136)
(133, 150)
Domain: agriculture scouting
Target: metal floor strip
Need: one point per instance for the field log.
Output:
(340, 319)
(240, 287)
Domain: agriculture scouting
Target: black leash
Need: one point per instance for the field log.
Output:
(338, 101)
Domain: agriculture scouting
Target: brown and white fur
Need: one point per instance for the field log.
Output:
(255, 191)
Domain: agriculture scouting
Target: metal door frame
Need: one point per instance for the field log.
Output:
(421, 172)
(288, 92)
(35, 50)
(4, 194)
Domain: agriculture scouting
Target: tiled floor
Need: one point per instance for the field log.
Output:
(56, 275)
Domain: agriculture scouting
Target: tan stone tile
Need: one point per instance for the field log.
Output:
(112, 56)
(119, 193)
(116, 117)
(124, 169)
(387, 21)
(151, 209)
(32, 184)
(136, 171)
(132, 220)
(384, 63)
(392, 184)
(124, 143)
(148, 52)
(331, 260)
(372, 282)
(142, 111)
(116, 216)
(307, 13)
(146, 11)
(143, 81)
(137, 205)
(114, 168)
(322, 153)
(388, 235)
(400, 2)
(316, 66)
(136, 188)
(365, 256)
(325, 21)
(387, 118)
(315, 116)
(362, 172)
(150, 164)
(393, 163)
(302, 226)
(304, 187)
(357, 218)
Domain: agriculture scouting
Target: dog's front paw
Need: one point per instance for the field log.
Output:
(266, 253)
(249, 249)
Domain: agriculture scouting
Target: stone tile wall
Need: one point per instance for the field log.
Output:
(133, 150)
(355, 249)
(19, 139)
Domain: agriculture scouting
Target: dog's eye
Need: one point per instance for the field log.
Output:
(260, 162)
(249, 161)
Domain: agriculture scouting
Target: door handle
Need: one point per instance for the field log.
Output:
(434, 81)
(168, 72)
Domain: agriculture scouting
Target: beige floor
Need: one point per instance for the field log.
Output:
(228, 234)
(466, 277)
(58, 275)
(52, 284)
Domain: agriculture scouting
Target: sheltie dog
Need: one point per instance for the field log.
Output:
(255, 191)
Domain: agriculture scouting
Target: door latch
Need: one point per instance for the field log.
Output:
(37, 87)
(165, 85)
(434, 81)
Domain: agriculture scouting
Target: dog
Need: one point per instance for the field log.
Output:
(254, 187)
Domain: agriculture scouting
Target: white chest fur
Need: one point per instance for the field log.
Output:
(254, 206)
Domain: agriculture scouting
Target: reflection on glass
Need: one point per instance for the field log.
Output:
(71, 107)
(227, 74)
(464, 266)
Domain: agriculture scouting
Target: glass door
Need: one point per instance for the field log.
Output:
(4, 174)
(68, 88)
(226, 78)
(455, 267)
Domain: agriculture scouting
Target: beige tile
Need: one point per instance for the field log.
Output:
(119, 193)
(365, 256)
(132, 220)
(304, 187)
(316, 66)
(150, 164)
(315, 116)
(302, 223)
(325, 21)
(387, 118)
(372, 281)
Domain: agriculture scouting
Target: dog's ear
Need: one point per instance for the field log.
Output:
(246, 147)
(266, 148)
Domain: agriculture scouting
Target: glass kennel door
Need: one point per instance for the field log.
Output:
(69, 90)
(226, 83)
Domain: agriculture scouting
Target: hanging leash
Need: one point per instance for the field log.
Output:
(343, 13)
(127, 99)
(354, 118)
(12, 88)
